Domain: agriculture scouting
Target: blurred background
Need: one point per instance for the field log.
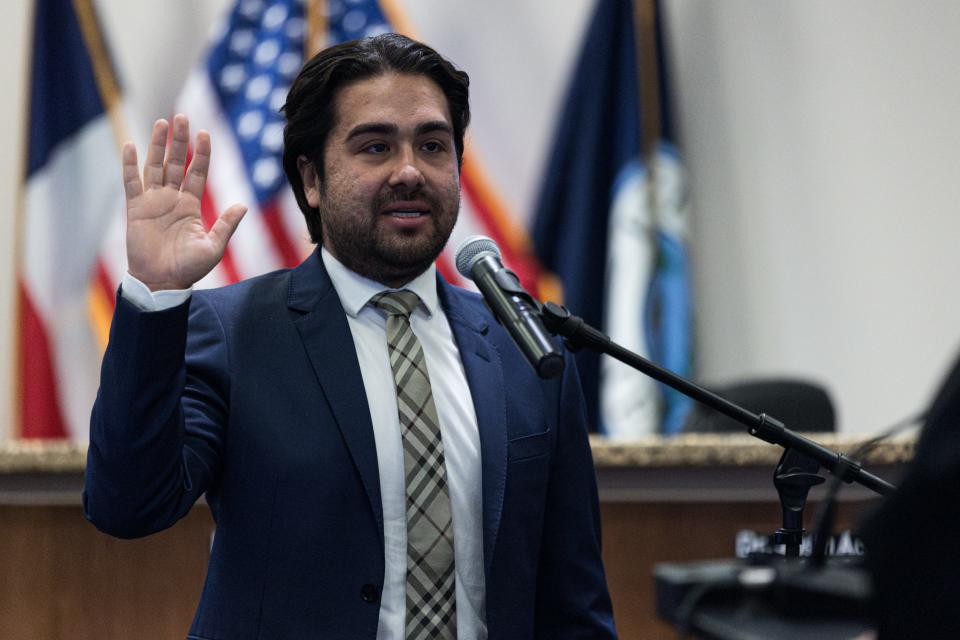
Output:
(816, 232)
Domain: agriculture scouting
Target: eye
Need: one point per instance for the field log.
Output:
(376, 148)
(433, 146)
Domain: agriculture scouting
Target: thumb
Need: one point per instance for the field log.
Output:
(226, 224)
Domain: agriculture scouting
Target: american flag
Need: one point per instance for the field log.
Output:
(236, 94)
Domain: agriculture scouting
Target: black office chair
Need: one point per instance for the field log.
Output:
(800, 404)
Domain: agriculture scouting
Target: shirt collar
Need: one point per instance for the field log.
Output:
(355, 290)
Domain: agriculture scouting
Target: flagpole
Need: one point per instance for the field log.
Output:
(315, 35)
(648, 88)
(103, 71)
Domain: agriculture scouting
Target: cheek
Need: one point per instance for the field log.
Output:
(353, 186)
(335, 196)
(444, 179)
(451, 188)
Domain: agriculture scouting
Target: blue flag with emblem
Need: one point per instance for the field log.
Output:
(614, 228)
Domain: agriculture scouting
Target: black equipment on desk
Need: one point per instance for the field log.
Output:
(783, 600)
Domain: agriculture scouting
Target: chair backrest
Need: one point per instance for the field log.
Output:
(800, 404)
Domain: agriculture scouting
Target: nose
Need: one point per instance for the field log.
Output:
(406, 173)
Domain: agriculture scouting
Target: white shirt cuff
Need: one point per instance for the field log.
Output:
(140, 295)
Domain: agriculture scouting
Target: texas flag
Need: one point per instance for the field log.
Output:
(70, 216)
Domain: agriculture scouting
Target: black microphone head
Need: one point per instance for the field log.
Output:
(471, 250)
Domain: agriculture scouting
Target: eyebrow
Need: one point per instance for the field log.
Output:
(386, 128)
(432, 126)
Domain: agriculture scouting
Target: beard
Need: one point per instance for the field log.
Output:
(364, 242)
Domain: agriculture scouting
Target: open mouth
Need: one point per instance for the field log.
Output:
(406, 210)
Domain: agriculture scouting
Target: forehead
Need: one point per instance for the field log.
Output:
(401, 99)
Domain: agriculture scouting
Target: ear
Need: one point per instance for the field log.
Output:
(311, 182)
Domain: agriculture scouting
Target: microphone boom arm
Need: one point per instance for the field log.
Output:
(579, 334)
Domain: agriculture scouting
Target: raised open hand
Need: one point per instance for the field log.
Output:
(167, 244)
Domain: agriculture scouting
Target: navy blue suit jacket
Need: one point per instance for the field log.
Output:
(253, 395)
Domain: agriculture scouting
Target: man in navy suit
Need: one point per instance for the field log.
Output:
(276, 398)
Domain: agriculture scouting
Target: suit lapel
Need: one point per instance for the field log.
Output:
(484, 371)
(329, 344)
(323, 328)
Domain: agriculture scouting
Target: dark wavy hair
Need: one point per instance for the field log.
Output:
(310, 111)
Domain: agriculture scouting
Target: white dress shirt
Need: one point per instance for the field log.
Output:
(458, 428)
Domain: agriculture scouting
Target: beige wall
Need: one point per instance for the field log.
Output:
(822, 138)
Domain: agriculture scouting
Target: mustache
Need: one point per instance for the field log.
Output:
(384, 200)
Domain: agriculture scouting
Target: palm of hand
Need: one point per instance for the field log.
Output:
(168, 246)
(166, 239)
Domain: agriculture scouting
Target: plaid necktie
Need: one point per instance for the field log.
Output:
(431, 582)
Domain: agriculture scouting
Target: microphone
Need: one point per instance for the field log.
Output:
(478, 259)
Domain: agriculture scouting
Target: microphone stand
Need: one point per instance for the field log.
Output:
(682, 591)
(579, 334)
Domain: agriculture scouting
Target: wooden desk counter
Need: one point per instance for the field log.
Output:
(662, 500)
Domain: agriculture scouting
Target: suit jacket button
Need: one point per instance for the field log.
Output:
(369, 593)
